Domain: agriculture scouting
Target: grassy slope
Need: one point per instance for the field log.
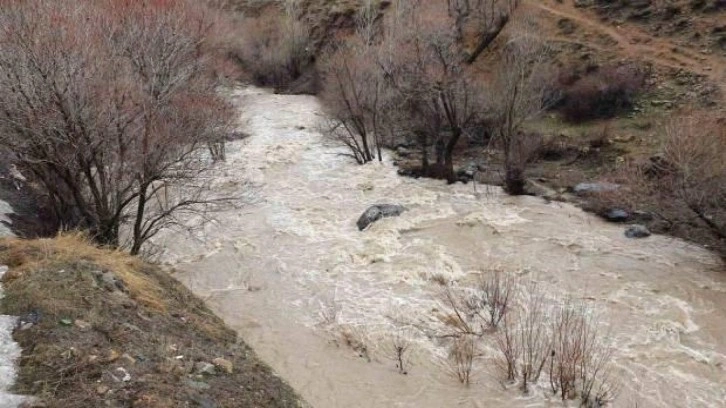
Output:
(104, 314)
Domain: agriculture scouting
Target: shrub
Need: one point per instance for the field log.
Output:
(602, 93)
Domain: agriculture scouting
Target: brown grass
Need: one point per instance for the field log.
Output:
(26, 256)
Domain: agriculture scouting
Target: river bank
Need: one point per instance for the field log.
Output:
(292, 273)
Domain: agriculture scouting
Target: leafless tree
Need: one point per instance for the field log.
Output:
(353, 91)
(438, 100)
(521, 85)
(109, 106)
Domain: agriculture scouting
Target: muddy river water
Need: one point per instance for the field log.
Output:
(291, 272)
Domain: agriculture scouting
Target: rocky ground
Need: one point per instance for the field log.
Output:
(101, 329)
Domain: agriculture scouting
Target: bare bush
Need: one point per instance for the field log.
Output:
(496, 294)
(580, 364)
(603, 93)
(399, 347)
(535, 340)
(509, 347)
(110, 107)
(461, 358)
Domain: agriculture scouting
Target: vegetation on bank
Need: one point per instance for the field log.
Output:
(101, 328)
(466, 89)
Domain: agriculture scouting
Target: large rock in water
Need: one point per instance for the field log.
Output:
(378, 211)
(637, 231)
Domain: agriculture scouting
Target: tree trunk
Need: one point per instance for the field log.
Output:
(449, 156)
(487, 38)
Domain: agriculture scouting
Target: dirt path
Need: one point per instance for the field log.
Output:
(634, 43)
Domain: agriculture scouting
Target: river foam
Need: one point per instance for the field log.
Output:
(291, 268)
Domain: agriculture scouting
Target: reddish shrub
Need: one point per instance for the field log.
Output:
(603, 93)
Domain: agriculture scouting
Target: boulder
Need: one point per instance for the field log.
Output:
(594, 188)
(378, 211)
(637, 231)
(616, 215)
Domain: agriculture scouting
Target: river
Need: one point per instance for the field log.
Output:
(291, 272)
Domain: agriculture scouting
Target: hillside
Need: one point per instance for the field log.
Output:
(101, 328)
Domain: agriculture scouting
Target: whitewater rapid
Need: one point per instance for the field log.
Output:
(291, 272)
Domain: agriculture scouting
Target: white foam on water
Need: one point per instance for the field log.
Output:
(299, 246)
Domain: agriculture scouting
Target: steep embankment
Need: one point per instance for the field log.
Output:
(100, 328)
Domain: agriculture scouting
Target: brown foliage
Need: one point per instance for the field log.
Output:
(274, 47)
(110, 106)
(602, 93)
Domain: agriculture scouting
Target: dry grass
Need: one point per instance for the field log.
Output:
(25, 257)
(100, 311)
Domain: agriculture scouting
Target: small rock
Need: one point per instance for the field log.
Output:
(29, 320)
(616, 215)
(637, 231)
(592, 188)
(224, 364)
(101, 389)
(203, 367)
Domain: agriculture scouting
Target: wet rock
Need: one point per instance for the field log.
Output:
(594, 188)
(224, 364)
(378, 211)
(637, 231)
(616, 215)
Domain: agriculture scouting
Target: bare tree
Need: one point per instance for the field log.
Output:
(353, 91)
(438, 100)
(521, 86)
(109, 106)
